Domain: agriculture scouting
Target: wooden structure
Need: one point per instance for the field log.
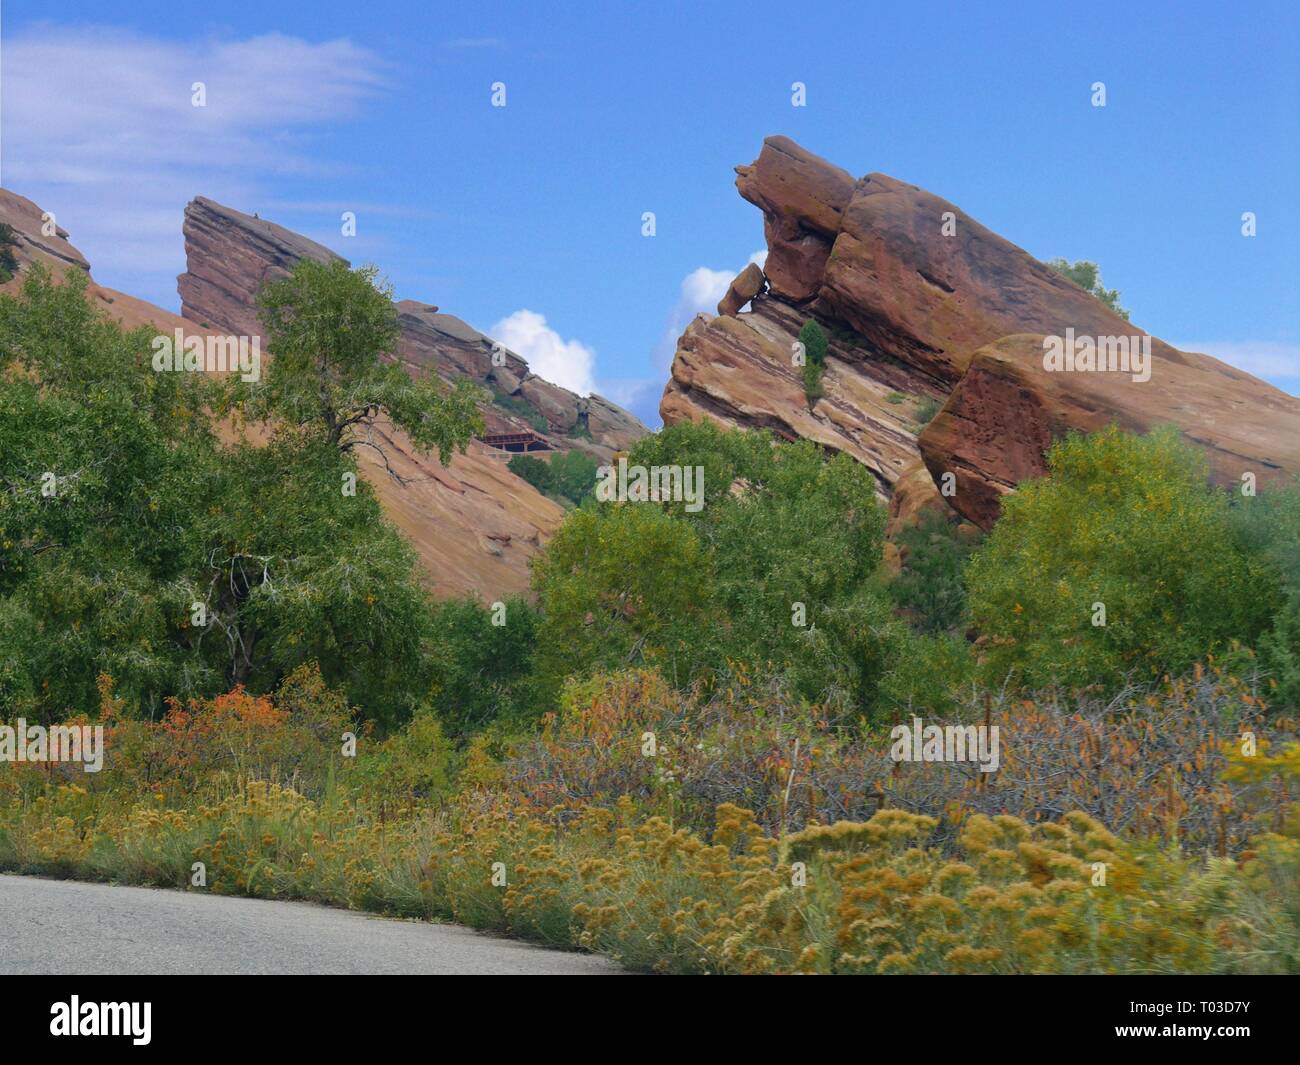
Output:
(517, 443)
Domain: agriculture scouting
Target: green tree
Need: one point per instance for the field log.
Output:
(484, 672)
(103, 464)
(1087, 276)
(574, 475)
(775, 573)
(8, 261)
(619, 585)
(135, 542)
(1126, 525)
(534, 471)
(930, 588)
(333, 332)
(1268, 527)
(569, 475)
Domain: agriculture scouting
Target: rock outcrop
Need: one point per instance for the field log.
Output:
(230, 255)
(802, 198)
(474, 525)
(54, 252)
(923, 304)
(32, 242)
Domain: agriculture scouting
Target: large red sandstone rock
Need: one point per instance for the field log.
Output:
(923, 301)
(1006, 411)
(931, 299)
(229, 256)
(739, 371)
(33, 244)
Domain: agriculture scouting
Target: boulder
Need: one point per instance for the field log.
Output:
(746, 285)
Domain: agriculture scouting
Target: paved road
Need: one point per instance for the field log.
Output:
(60, 926)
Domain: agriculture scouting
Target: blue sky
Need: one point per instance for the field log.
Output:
(615, 109)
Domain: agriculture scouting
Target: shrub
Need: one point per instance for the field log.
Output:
(533, 470)
(1124, 523)
(926, 409)
(930, 588)
(522, 408)
(1087, 276)
(573, 475)
(1268, 528)
(814, 346)
(483, 673)
(1162, 761)
(956, 891)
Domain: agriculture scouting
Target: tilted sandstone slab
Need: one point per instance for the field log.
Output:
(740, 372)
(229, 256)
(32, 243)
(54, 252)
(930, 299)
(918, 298)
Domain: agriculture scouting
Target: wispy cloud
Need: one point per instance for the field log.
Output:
(100, 127)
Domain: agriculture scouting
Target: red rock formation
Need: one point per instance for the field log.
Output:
(920, 300)
(229, 256)
(474, 525)
(746, 285)
(1006, 410)
(802, 198)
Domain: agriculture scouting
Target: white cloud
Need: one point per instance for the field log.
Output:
(700, 291)
(568, 363)
(99, 127)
